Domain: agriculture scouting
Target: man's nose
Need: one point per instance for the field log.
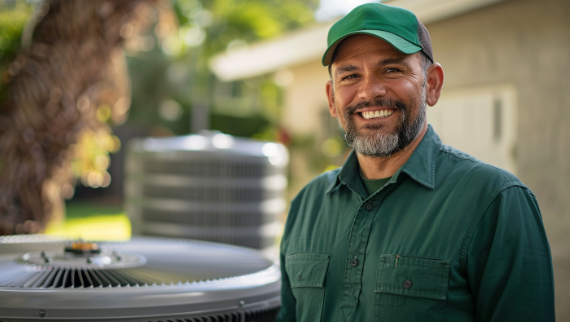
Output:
(371, 88)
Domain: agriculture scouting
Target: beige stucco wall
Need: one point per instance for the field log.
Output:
(305, 98)
(523, 43)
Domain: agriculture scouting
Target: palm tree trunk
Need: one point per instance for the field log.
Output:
(56, 85)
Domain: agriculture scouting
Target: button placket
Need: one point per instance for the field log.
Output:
(351, 281)
(357, 250)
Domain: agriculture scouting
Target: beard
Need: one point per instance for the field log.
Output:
(381, 145)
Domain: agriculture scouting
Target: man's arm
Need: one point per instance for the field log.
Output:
(508, 261)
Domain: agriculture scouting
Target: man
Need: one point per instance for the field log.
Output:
(408, 229)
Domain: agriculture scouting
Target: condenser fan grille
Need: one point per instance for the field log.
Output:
(211, 194)
(263, 315)
(28, 243)
(207, 168)
(65, 277)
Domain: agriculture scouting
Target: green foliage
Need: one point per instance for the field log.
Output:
(178, 69)
(239, 126)
(151, 86)
(224, 21)
(13, 18)
(271, 97)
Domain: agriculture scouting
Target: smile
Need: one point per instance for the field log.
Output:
(376, 114)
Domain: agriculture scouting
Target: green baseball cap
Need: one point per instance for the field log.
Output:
(399, 27)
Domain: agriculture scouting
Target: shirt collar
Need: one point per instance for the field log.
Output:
(420, 166)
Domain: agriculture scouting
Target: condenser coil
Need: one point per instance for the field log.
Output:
(145, 279)
(211, 186)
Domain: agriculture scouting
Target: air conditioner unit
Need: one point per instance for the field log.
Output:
(145, 279)
(210, 186)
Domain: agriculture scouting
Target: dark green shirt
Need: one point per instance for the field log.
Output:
(449, 238)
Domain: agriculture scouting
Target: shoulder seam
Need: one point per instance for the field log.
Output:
(484, 164)
(459, 157)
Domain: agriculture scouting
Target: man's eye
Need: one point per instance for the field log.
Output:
(392, 70)
(350, 76)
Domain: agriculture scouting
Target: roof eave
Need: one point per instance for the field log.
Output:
(309, 44)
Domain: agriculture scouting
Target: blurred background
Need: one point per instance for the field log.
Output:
(81, 81)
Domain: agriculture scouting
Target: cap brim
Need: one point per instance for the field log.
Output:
(398, 42)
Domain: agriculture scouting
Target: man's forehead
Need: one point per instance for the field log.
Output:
(364, 44)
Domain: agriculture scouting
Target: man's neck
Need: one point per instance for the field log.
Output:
(378, 168)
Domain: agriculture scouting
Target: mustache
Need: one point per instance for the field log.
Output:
(379, 103)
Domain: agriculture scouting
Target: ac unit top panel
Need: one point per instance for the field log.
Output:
(111, 280)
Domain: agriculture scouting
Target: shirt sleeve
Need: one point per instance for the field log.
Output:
(508, 261)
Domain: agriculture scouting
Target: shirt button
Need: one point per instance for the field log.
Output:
(354, 262)
(408, 284)
(368, 206)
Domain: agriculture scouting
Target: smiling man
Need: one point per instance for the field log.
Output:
(408, 229)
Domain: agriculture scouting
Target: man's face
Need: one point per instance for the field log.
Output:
(377, 94)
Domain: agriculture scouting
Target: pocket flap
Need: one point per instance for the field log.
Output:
(307, 269)
(413, 276)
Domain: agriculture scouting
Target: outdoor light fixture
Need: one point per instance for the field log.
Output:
(145, 279)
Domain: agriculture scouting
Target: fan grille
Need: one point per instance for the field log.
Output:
(259, 315)
(67, 272)
(68, 277)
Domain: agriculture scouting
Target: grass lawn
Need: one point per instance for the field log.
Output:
(93, 222)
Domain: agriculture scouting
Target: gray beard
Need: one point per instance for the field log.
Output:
(384, 145)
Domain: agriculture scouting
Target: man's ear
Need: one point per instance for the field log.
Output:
(330, 97)
(434, 83)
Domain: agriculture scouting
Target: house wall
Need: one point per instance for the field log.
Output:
(525, 43)
(305, 98)
(305, 104)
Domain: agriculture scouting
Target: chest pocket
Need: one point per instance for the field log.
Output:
(307, 272)
(411, 289)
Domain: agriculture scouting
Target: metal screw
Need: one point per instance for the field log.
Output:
(47, 260)
(43, 254)
(42, 314)
(241, 303)
(119, 258)
(89, 260)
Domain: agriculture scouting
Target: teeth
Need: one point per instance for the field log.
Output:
(374, 114)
